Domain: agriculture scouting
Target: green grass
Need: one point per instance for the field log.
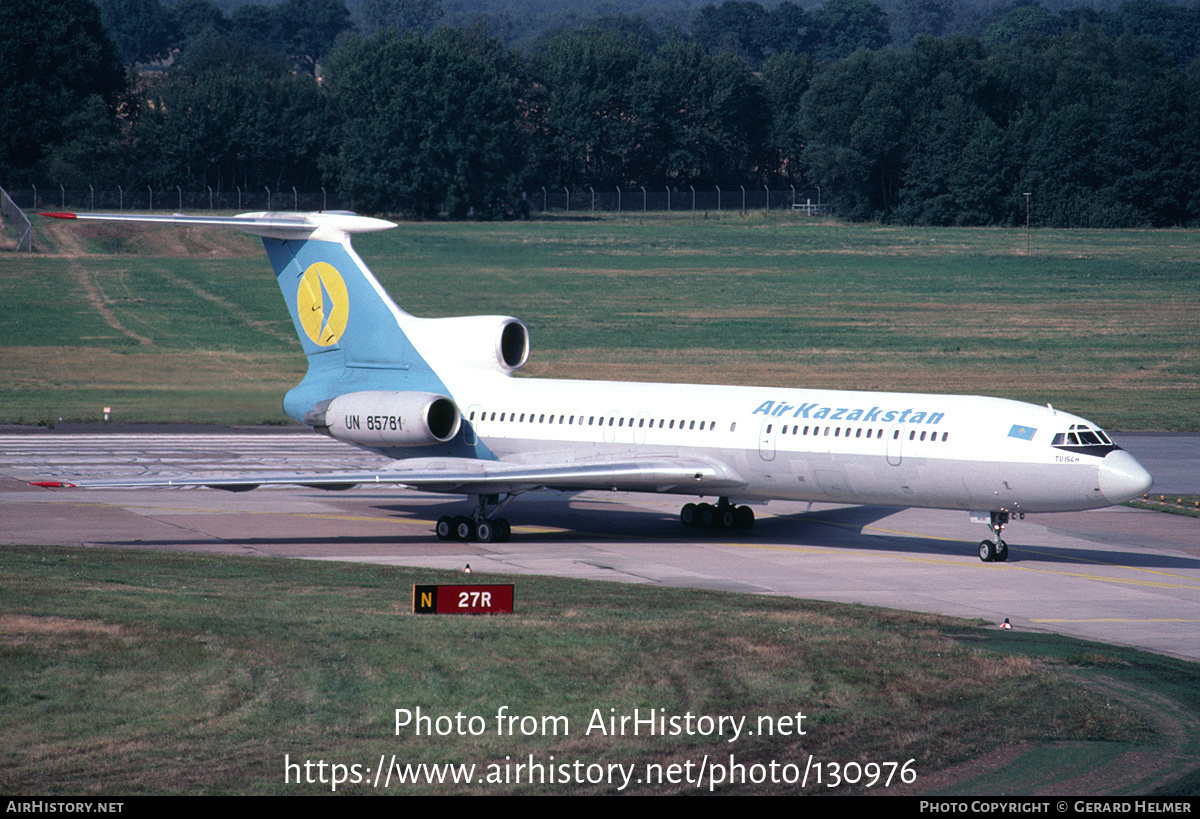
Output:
(133, 672)
(1103, 323)
(1186, 505)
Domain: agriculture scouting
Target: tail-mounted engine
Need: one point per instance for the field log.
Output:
(496, 343)
(391, 419)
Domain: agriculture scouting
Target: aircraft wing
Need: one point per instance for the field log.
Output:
(470, 477)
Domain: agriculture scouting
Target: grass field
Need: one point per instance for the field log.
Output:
(127, 672)
(174, 325)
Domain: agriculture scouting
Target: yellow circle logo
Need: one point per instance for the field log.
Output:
(322, 303)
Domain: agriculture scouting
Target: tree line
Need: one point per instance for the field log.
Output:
(1096, 117)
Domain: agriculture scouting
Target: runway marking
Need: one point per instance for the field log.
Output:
(1035, 550)
(1051, 620)
(1058, 555)
(1190, 584)
(167, 511)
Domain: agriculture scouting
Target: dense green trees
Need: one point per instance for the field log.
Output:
(587, 86)
(1094, 126)
(1096, 115)
(60, 68)
(231, 114)
(428, 124)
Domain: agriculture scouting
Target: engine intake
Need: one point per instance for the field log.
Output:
(391, 419)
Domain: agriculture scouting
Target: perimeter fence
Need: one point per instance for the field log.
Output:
(543, 200)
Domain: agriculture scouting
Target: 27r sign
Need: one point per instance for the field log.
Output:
(462, 599)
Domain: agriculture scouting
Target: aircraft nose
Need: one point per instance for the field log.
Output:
(1122, 477)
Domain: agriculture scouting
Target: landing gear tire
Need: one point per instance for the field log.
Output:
(720, 516)
(464, 529)
(1001, 552)
(485, 531)
(445, 528)
(987, 551)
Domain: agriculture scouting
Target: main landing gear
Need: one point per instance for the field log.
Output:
(480, 526)
(722, 516)
(997, 552)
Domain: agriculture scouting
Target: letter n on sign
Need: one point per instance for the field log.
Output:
(462, 599)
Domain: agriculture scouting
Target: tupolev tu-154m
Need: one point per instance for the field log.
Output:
(439, 396)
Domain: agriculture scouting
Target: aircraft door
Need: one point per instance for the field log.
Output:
(766, 439)
(469, 421)
(610, 426)
(639, 431)
(895, 443)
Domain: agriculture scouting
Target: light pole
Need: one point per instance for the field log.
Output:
(1027, 195)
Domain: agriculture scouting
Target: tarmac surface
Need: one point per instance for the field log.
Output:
(1115, 575)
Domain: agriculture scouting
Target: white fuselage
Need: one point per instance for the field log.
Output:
(943, 451)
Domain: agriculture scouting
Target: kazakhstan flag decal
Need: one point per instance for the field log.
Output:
(1024, 433)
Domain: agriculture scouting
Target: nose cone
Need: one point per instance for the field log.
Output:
(1122, 477)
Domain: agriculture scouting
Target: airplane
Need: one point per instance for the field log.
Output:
(438, 395)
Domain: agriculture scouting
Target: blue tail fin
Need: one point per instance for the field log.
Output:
(349, 327)
(357, 340)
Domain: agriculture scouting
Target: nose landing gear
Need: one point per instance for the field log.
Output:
(997, 552)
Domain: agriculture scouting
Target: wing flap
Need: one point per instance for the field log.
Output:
(466, 477)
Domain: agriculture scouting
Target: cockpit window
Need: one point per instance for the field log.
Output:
(1084, 440)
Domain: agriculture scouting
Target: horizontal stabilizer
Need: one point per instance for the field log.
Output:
(276, 225)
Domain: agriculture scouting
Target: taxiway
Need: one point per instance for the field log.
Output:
(1115, 575)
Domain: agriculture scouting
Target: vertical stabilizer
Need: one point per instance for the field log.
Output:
(350, 329)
